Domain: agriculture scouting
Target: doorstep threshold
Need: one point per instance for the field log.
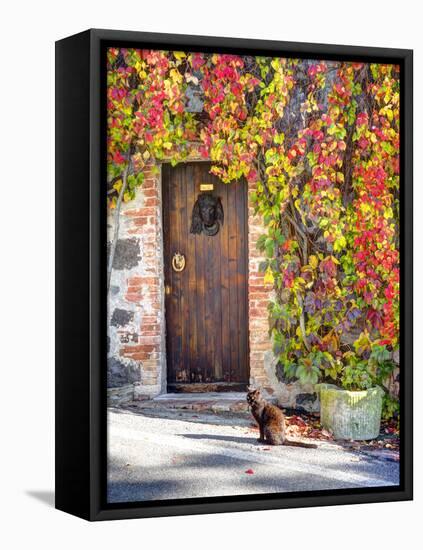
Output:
(200, 397)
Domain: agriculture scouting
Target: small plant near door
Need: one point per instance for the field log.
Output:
(369, 366)
(320, 140)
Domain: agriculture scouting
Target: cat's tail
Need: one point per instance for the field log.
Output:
(291, 443)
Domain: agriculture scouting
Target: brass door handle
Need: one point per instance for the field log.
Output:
(178, 262)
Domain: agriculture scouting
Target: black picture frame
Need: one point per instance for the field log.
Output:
(81, 275)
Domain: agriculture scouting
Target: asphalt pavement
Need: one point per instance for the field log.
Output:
(154, 456)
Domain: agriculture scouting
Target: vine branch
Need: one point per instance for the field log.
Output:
(117, 218)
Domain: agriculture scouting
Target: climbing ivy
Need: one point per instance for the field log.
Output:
(320, 141)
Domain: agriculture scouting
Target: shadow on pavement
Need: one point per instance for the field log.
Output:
(198, 417)
(234, 439)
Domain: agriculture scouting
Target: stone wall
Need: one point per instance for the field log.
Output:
(136, 299)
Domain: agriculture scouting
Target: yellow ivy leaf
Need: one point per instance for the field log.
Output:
(175, 75)
(259, 139)
(117, 185)
(275, 63)
(313, 261)
(388, 214)
(340, 244)
(179, 55)
(268, 277)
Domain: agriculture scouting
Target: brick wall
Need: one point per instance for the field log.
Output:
(259, 295)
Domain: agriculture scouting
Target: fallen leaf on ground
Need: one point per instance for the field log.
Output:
(298, 421)
(305, 425)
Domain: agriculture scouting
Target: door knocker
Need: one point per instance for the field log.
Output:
(178, 262)
(207, 215)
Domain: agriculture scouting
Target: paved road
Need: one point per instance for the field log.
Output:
(183, 455)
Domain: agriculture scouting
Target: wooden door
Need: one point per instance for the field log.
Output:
(206, 302)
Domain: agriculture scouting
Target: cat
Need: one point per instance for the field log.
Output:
(271, 422)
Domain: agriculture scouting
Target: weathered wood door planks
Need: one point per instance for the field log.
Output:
(206, 302)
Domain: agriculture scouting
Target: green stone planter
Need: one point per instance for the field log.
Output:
(350, 414)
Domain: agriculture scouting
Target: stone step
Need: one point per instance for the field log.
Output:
(120, 395)
(234, 402)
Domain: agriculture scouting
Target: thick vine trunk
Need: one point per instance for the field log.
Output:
(302, 321)
(116, 224)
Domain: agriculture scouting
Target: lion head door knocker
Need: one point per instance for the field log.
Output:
(178, 262)
(207, 215)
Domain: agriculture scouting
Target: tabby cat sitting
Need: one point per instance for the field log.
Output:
(271, 422)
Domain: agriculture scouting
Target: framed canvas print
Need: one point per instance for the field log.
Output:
(234, 274)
